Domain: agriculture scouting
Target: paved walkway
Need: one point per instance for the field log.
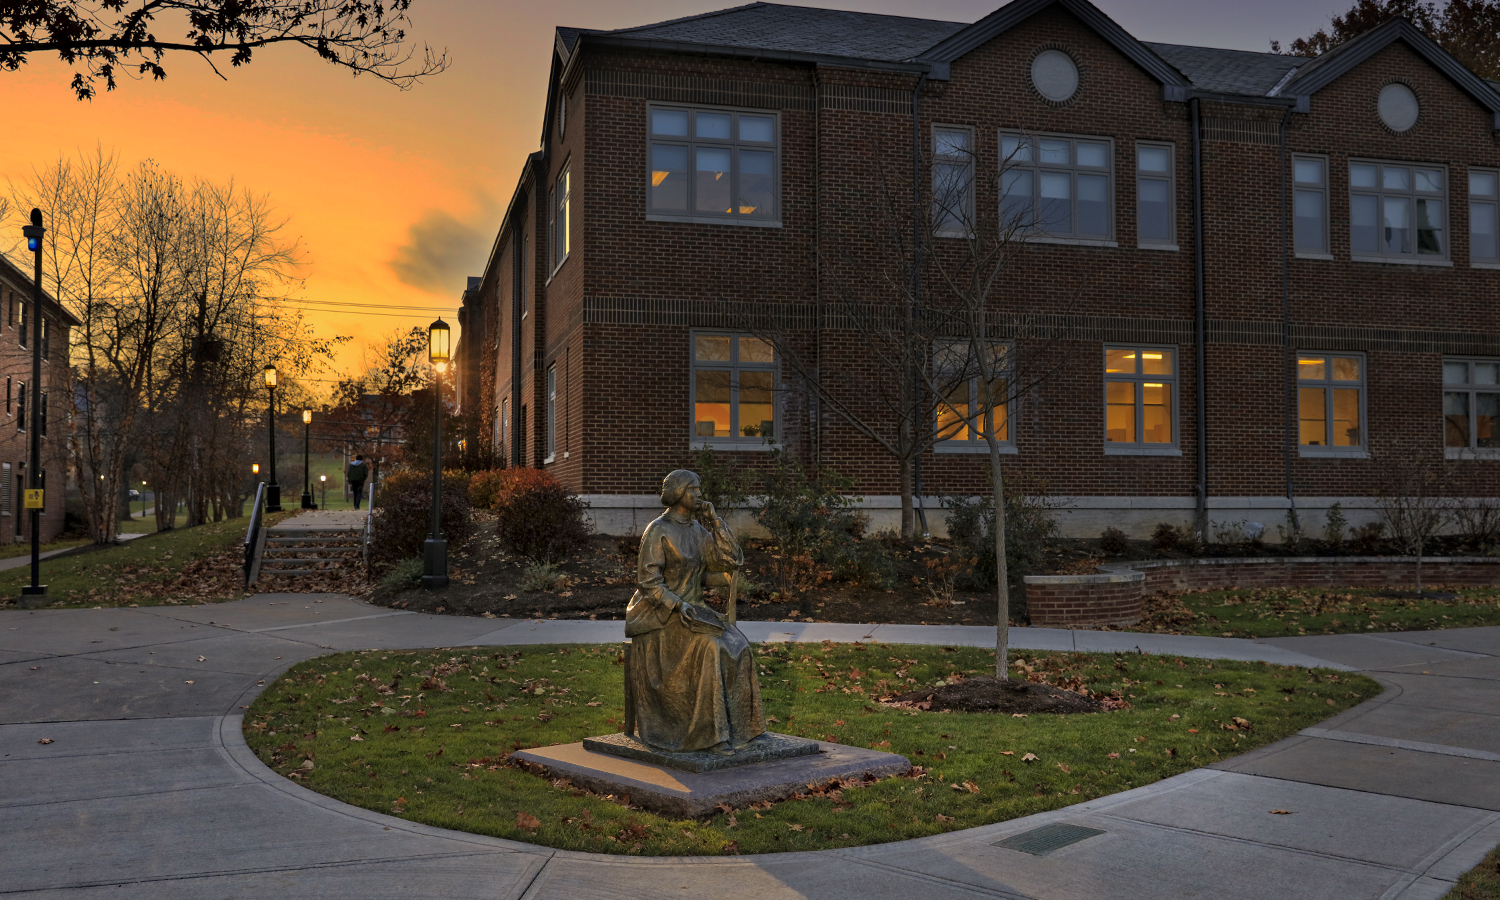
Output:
(147, 789)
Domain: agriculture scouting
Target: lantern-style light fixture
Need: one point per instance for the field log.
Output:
(270, 373)
(437, 343)
(255, 468)
(322, 477)
(307, 417)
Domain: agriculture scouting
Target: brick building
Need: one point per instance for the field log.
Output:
(16, 323)
(1263, 274)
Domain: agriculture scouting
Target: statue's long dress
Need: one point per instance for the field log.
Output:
(689, 690)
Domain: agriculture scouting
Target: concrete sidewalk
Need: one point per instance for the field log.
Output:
(147, 788)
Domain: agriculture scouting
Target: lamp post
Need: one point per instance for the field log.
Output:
(323, 485)
(273, 490)
(143, 499)
(306, 472)
(435, 550)
(35, 593)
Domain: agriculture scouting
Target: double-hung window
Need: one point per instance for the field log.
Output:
(1155, 219)
(1396, 211)
(1057, 186)
(1310, 206)
(734, 382)
(971, 406)
(1471, 404)
(561, 235)
(551, 413)
(503, 423)
(1140, 399)
(21, 332)
(715, 164)
(1483, 221)
(1331, 404)
(952, 181)
(21, 406)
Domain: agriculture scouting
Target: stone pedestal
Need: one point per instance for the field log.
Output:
(667, 782)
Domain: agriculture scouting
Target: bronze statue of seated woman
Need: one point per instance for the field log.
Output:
(690, 675)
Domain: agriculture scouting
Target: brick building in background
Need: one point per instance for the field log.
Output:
(1317, 237)
(16, 418)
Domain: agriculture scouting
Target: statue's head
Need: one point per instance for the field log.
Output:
(675, 485)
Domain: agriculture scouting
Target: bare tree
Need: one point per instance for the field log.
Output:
(99, 38)
(1413, 499)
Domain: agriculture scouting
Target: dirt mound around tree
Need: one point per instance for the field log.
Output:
(987, 693)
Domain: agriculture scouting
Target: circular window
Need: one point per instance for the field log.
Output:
(1398, 107)
(1055, 75)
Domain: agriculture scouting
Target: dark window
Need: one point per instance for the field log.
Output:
(21, 406)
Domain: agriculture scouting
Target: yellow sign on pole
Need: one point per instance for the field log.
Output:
(34, 498)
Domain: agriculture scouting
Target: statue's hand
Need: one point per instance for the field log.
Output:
(705, 514)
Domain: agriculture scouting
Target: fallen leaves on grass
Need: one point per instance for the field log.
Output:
(527, 822)
(45, 741)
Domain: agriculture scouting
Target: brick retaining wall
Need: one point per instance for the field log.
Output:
(1114, 597)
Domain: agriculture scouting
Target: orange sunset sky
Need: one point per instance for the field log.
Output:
(396, 196)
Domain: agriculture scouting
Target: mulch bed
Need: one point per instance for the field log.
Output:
(986, 693)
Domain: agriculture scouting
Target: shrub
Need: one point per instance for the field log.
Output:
(1334, 526)
(404, 574)
(1029, 525)
(810, 519)
(543, 577)
(1113, 540)
(725, 485)
(543, 521)
(403, 514)
(485, 486)
(1166, 537)
(519, 480)
(1367, 539)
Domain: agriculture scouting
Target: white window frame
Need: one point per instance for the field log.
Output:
(735, 441)
(734, 145)
(966, 160)
(21, 332)
(21, 406)
(551, 414)
(1381, 193)
(560, 220)
(977, 443)
(1362, 451)
(7, 489)
(1170, 177)
(1470, 388)
(503, 418)
(1139, 447)
(1306, 188)
(1492, 201)
(1038, 234)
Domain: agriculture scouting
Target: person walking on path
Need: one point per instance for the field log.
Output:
(356, 475)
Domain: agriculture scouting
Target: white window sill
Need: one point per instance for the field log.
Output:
(1484, 265)
(716, 220)
(971, 447)
(1069, 242)
(550, 459)
(729, 444)
(1471, 453)
(1145, 246)
(1127, 450)
(1405, 261)
(1302, 254)
(1329, 453)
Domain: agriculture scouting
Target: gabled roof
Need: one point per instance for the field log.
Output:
(801, 30)
(1228, 71)
(1018, 11)
(1322, 71)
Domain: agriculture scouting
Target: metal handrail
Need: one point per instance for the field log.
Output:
(369, 522)
(252, 536)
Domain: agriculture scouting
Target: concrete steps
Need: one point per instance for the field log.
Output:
(303, 552)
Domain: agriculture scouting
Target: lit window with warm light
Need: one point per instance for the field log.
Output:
(1140, 400)
(734, 391)
(716, 164)
(971, 405)
(1330, 404)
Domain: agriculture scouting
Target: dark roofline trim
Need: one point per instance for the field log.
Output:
(1323, 71)
(527, 178)
(1013, 14)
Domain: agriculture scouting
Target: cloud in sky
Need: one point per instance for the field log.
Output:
(441, 250)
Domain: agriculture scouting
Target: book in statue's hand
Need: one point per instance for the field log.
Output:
(701, 619)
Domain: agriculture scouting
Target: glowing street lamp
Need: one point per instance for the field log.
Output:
(307, 502)
(435, 549)
(273, 490)
(323, 479)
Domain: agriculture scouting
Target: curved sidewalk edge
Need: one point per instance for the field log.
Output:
(150, 790)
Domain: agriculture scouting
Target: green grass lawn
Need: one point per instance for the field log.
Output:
(1481, 882)
(147, 571)
(10, 551)
(1283, 612)
(425, 735)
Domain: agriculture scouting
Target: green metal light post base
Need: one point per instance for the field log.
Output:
(434, 565)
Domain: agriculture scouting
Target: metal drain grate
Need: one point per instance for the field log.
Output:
(1044, 840)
